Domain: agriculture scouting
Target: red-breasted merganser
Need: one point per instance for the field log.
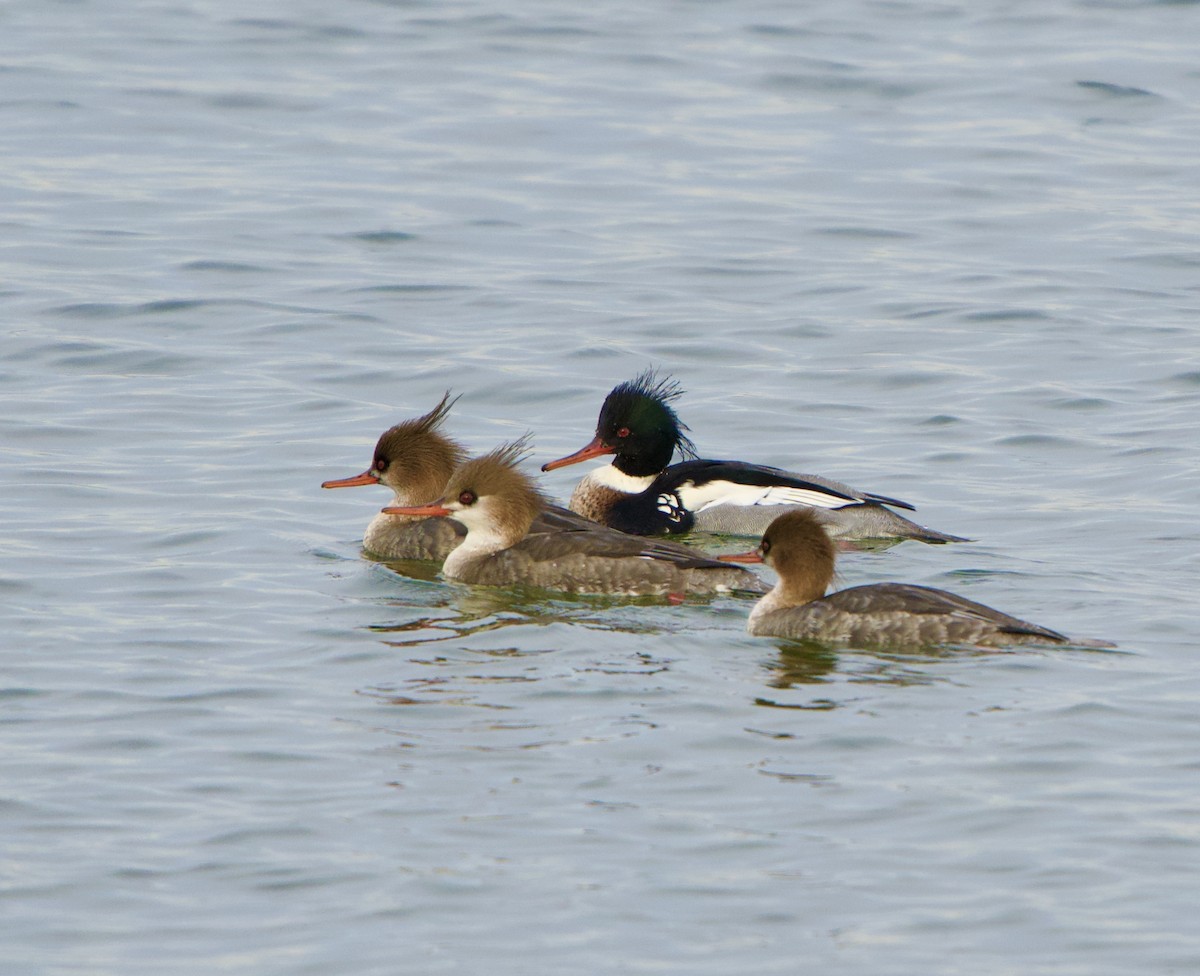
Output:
(415, 460)
(512, 540)
(876, 615)
(643, 493)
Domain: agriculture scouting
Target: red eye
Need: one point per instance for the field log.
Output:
(380, 464)
(623, 432)
(467, 498)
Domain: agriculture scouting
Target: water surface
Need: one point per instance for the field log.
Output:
(939, 252)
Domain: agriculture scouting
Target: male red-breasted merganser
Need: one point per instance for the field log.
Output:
(415, 460)
(512, 540)
(876, 615)
(643, 493)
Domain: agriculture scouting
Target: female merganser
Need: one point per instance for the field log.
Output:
(643, 493)
(506, 545)
(415, 459)
(876, 615)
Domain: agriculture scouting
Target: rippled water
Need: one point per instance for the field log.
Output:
(938, 251)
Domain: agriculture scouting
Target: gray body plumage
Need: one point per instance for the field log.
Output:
(896, 615)
(853, 522)
(877, 615)
(565, 552)
(397, 537)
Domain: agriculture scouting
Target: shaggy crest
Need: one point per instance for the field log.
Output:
(506, 456)
(643, 404)
(393, 441)
(496, 474)
(650, 383)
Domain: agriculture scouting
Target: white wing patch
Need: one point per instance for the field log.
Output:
(670, 504)
(699, 497)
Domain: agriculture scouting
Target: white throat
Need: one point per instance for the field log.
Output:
(484, 538)
(768, 604)
(610, 477)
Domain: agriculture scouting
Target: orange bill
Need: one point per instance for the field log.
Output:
(742, 557)
(432, 510)
(366, 478)
(595, 449)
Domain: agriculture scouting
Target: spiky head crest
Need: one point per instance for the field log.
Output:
(414, 458)
(638, 421)
(495, 484)
(395, 439)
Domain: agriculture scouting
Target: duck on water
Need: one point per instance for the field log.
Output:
(415, 459)
(506, 545)
(877, 615)
(641, 492)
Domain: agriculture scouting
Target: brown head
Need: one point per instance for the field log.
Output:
(799, 550)
(414, 458)
(490, 495)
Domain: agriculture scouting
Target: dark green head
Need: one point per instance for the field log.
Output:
(638, 423)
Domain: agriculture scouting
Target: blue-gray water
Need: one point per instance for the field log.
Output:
(944, 251)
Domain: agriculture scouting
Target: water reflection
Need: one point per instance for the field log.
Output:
(461, 618)
(804, 663)
(426, 570)
(807, 663)
(442, 628)
(474, 657)
(481, 610)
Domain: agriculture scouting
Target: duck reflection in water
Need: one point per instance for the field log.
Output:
(480, 610)
(810, 662)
